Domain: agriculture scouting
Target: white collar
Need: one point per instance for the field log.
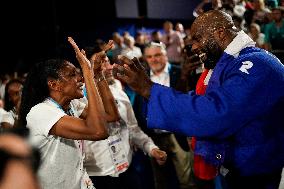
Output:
(241, 41)
(166, 70)
(208, 76)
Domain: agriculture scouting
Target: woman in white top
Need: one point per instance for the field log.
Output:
(13, 90)
(108, 162)
(58, 124)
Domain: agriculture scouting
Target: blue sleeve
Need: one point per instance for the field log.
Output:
(225, 108)
(188, 114)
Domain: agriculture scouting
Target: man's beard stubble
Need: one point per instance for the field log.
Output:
(213, 52)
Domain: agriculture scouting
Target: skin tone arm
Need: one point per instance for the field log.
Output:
(111, 112)
(94, 126)
(107, 97)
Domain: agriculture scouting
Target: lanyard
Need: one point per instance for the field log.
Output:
(70, 112)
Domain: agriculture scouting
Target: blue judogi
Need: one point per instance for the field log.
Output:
(238, 122)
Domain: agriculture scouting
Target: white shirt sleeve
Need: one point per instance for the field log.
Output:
(137, 136)
(2, 112)
(78, 105)
(281, 185)
(42, 117)
(8, 118)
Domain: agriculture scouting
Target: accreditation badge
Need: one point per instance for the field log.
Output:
(118, 154)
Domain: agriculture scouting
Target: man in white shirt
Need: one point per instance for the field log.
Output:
(108, 162)
(164, 73)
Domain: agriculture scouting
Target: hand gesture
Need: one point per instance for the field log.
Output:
(133, 73)
(159, 155)
(108, 46)
(80, 54)
(99, 57)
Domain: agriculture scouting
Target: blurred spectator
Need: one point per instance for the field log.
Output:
(125, 34)
(260, 12)
(239, 8)
(19, 163)
(180, 29)
(156, 36)
(2, 112)
(274, 34)
(4, 80)
(131, 50)
(13, 92)
(119, 45)
(207, 5)
(272, 3)
(256, 35)
(174, 43)
(239, 23)
(140, 41)
(101, 43)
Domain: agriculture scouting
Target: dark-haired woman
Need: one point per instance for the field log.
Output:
(59, 124)
(12, 100)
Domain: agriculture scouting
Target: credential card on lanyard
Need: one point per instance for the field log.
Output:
(117, 153)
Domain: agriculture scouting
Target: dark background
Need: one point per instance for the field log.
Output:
(36, 30)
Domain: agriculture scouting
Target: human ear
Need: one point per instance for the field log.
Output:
(220, 34)
(53, 85)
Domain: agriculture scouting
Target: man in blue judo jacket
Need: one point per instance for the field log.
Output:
(239, 122)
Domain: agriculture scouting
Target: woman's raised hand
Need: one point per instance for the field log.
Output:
(80, 54)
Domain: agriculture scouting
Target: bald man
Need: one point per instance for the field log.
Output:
(238, 121)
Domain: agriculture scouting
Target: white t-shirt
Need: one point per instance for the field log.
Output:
(281, 185)
(9, 117)
(135, 52)
(62, 160)
(99, 159)
(2, 113)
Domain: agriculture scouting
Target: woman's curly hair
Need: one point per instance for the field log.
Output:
(36, 89)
